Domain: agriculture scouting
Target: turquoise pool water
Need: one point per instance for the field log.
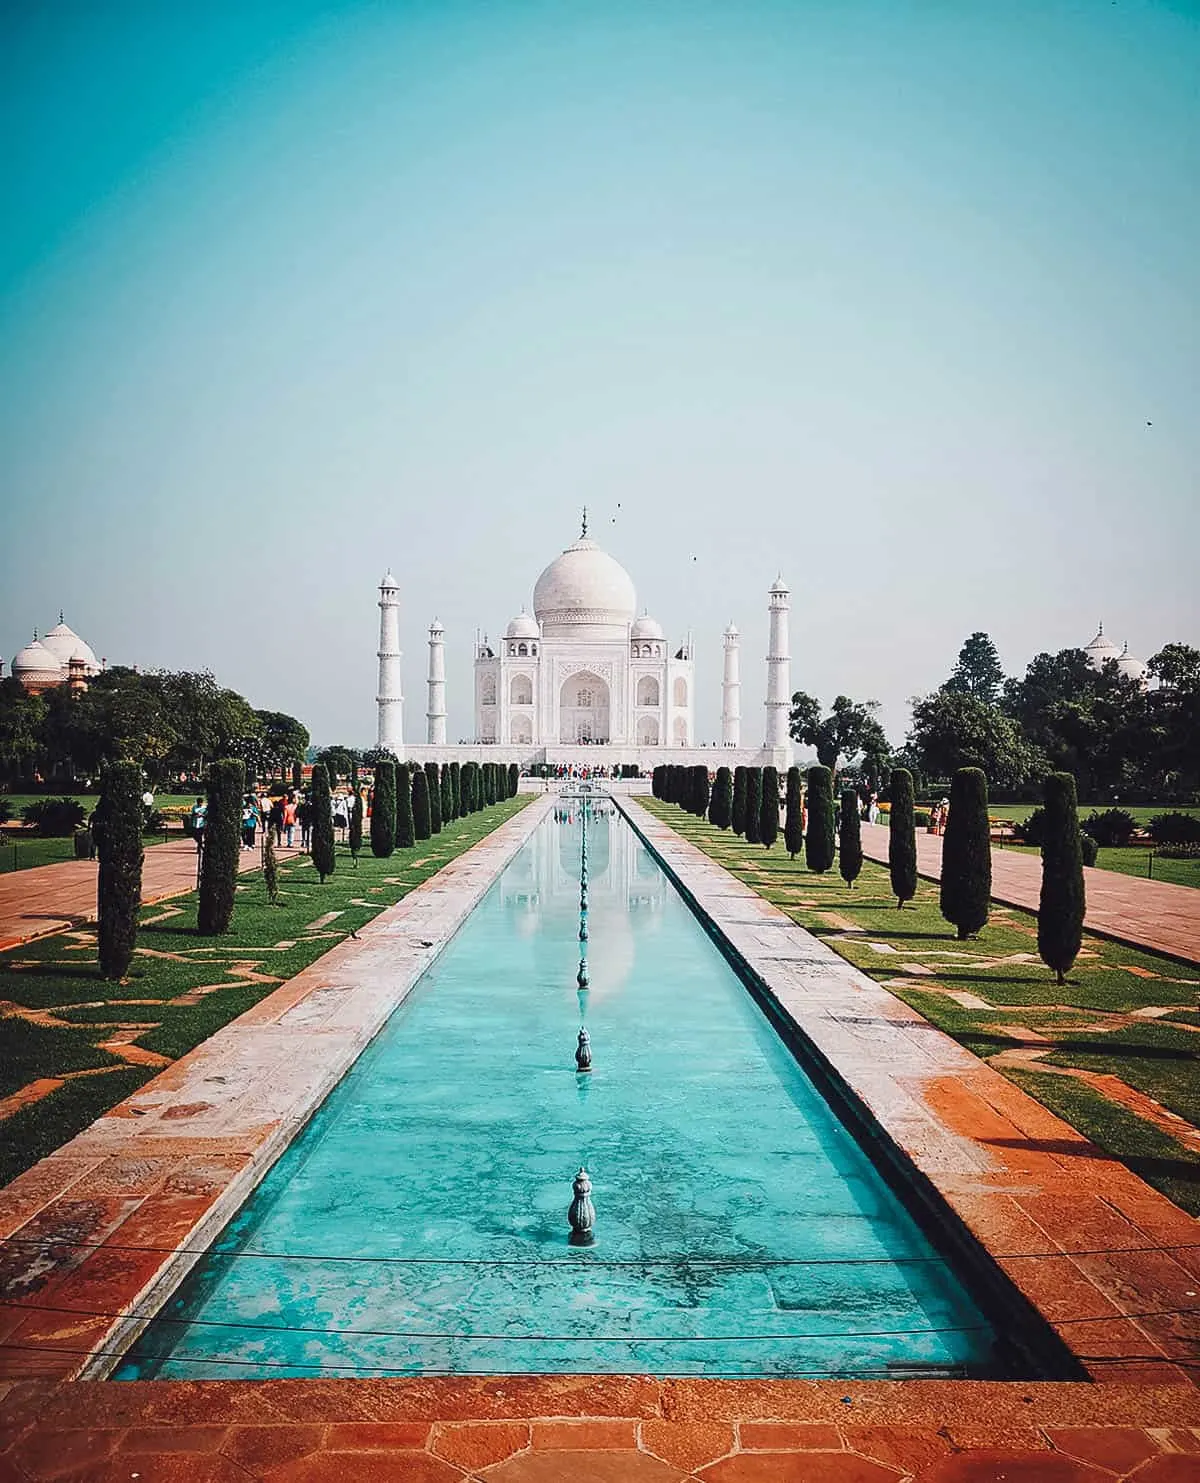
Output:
(418, 1224)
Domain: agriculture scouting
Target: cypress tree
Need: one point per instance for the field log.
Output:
(422, 827)
(967, 853)
(720, 808)
(118, 833)
(850, 855)
(383, 810)
(737, 812)
(435, 797)
(1063, 903)
(700, 790)
(902, 837)
(468, 787)
(447, 795)
(476, 802)
(768, 817)
(270, 866)
(222, 846)
(356, 825)
(456, 789)
(793, 822)
(819, 841)
(514, 779)
(753, 804)
(658, 780)
(405, 838)
(321, 803)
(297, 775)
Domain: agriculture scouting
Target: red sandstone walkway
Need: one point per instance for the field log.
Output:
(51, 897)
(1149, 914)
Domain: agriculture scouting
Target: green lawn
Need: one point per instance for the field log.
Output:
(18, 853)
(1086, 1022)
(1137, 860)
(1142, 812)
(59, 975)
(18, 801)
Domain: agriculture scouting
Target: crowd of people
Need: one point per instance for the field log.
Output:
(286, 815)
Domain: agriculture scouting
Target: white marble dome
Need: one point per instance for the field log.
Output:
(522, 627)
(646, 627)
(584, 586)
(35, 662)
(1101, 649)
(65, 644)
(1130, 667)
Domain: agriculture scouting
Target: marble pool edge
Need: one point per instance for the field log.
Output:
(1099, 1255)
(135, 1199)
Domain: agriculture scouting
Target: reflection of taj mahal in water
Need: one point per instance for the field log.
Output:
(584, 671)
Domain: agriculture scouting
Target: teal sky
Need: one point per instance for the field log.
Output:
(899, 299)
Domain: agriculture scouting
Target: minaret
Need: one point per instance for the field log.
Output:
(731, 692)
(390, 700)
(436, 714)
(779, 684)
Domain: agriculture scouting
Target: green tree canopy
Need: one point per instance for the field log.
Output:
(850, 728)
(978, 671)
(951, 730)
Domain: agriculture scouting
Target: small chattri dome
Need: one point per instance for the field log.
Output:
(36, 662)
(1131, 667)
(1101, 649)
(732, 631)
(646, 627)
(779, 587)
(522, 627)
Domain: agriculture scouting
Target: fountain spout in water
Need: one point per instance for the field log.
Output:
(581, 1216)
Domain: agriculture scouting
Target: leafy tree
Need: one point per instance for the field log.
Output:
(1062, 904)
(902, 837)
(118, 829)
(435, 797)
(978, 672)
(447, 789)
(278, 741)
(405, 833)
(768, 814)
(754, 790)
(966, 887)
(720, 808)
(698, 802)
(22, 718)
(222, 846)
(338, 761)
(819, 840)
(793, 821)
(952, 730)
(737, 816)
(850, 728)
(383, 811)
(422, 825)
(456, 789)
(1174, 723)
(850, 855)
(323, 856)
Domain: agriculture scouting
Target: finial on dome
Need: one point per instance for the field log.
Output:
(583, 532)
(61, 616)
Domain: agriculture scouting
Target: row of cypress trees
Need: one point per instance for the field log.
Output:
(414, 801)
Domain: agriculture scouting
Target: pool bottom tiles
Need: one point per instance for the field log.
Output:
(419, 1223)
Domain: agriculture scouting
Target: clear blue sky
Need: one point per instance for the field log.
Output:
(883, 296)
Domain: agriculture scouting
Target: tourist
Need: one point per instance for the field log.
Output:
(249, 821)
(341, 821)
(275, 820)
(289, 819)
(196, 822)
(304, 819)
(873, 809)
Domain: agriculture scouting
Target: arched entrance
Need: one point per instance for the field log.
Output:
(583, 709)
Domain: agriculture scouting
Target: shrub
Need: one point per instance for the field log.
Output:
(768, 817)
(1033, 829)
(119, 845)
(1177, 852)
(966, 886)
(902, 837)
(270, 866)
(323, 858)
(793, 819)
(420, 804)
(850, 855)
(58, 818)
(383, 810)
(405, 837)
(1062, 903)
(921, 817)
(753, 804)
(1113, 827)
(720, 808)
(435, 797)
(819, 840)
(514, 778)
(447, 792)
(737, 813)
(5, 811)
(698, 801)
(658, 780)
(1174, 828)
(222, 846)
(1089, 850)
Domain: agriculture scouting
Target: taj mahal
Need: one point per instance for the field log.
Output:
(584, 677)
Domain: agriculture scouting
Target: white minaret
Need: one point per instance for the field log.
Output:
(731, 692)
(390, 700)
(779, 683)
(436, 714)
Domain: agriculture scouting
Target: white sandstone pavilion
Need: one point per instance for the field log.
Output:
(584, 679)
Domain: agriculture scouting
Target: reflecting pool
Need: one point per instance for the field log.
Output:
(418, 1224)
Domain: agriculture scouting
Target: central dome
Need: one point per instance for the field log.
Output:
(584, 587)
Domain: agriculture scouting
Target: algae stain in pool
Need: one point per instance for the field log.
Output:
(419, 1223)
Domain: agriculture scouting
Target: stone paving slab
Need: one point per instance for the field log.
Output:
(1106, 1259)
(111, 1222)
(1150, 914)
(49, 898)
